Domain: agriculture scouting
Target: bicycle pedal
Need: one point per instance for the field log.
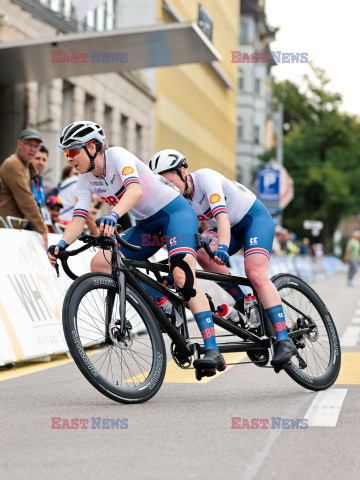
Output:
(278, 368)
(208, 373)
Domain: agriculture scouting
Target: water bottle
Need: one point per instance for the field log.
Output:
(228, 312)
(252, 311)
(167, 307)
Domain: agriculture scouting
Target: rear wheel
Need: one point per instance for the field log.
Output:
(128, 368)
(318, 362)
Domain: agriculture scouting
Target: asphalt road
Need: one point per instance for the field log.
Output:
(185, 431)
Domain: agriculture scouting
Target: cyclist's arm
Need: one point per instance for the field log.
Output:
(130, 198)
(223, 228)
(210, 184)
(74, 230)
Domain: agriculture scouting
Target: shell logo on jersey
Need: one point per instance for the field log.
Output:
(214, 198)
(76, 200)
(127, 170)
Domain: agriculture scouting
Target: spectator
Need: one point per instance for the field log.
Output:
(66, 191)
(305, 246)
(351, 256)
(54, 205)
(288, 245)
(17, 199)
(39, 162)
(276, 248)
(318, 250)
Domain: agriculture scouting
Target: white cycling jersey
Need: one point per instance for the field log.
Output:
(213, 194)
(121, 169)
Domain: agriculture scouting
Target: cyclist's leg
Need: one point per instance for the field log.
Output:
(258, 233)
(209, 265)
(182, 259)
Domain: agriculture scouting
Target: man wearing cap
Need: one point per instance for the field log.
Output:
(16, 172)
(54, 204)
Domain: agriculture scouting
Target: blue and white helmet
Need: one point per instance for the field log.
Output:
(78, 133)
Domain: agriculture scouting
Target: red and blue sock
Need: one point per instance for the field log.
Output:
(277, 319)
(207, 329)
(233, 290)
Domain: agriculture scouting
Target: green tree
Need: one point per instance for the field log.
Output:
(322, 155)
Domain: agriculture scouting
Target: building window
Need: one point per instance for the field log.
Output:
(205, 22)
(138, 140)
(240, 128)
(239, 174)
(90, 20)
(244, 34)
(241, 80)
(55, 5)
(256, 135)
(68, 103)
(43, 105)
(108, 115)
(257, 85)
(89, 107)
(100, 18)
(67, 9)
(124, 131)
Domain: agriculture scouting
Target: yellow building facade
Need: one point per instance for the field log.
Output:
(196, 105)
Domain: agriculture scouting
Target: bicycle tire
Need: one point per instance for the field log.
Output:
(325, 327)
(130, 390)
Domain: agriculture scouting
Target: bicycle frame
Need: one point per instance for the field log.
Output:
(252, 341)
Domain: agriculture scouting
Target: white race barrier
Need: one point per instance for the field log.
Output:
(31, 296)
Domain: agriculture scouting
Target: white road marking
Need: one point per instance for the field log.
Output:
(325, 408)
(350, 337)
(357, 312)
(356, 320)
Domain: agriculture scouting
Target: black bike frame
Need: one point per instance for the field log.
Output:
(252, 342)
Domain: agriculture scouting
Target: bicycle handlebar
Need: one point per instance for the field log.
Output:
(204, 242)
(91, 241)
(120, 240)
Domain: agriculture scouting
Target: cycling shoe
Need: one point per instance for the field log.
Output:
(284, 350)
(211, 360)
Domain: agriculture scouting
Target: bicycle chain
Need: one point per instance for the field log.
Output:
(235, 363)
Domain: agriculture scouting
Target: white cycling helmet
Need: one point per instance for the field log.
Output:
(78, 133)
(167, 160)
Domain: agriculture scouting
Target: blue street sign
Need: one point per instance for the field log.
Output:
(269, 185)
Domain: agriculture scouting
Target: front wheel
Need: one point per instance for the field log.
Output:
(317, 365)
(128, 368)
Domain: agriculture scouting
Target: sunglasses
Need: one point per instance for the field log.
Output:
(72, 152)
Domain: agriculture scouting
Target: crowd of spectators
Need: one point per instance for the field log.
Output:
(286, 243)
(17, 172)
(23, 196)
